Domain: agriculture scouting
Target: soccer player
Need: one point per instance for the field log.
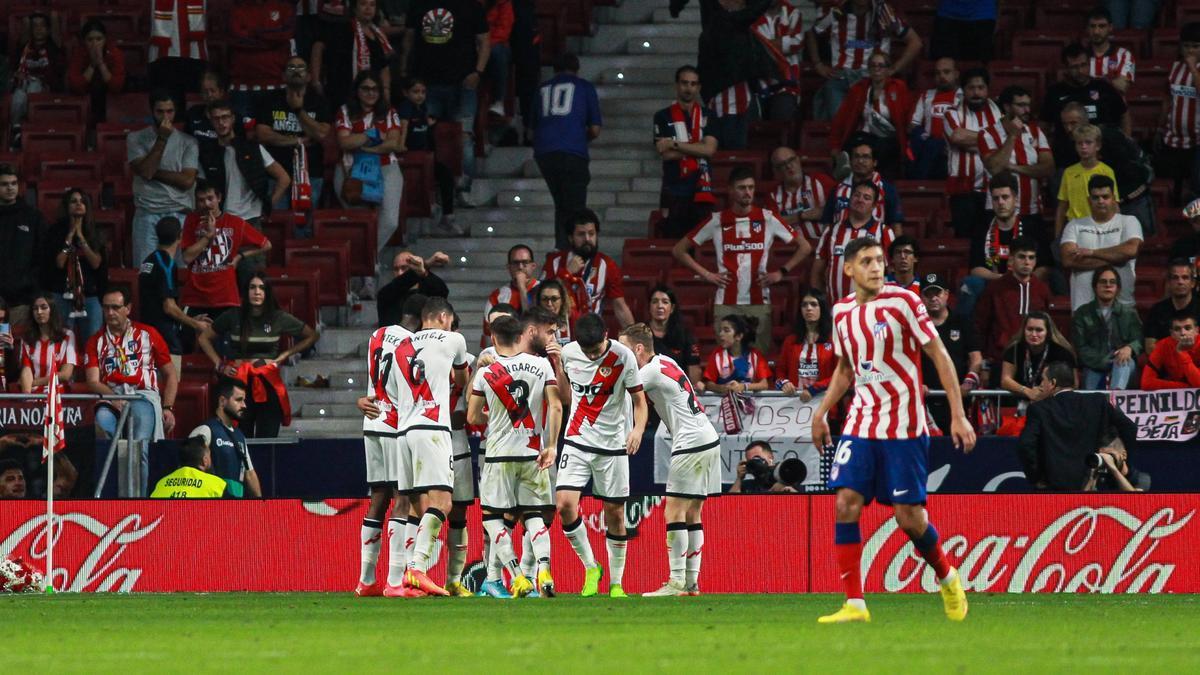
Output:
(464, 487)
(599, 372)
(695, 471)
(884, 447)
(523, 419)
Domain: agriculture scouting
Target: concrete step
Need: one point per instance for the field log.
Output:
(638, 116)
(629, 135)
(625, 92)
(328, 410)
(592, 65)
(690, 14)
(603, 168)
(325, 427)
(311, 397)
(632, 11)
(639, 149)
(329, 367)
(681, 47)
(655, 75)
(484, 190)
(542, 198)
(609, 33)
(343, 342)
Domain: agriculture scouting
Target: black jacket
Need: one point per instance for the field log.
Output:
(248, 156)
(728, 52)
(23, 240)
(390, 299)
(1061, 431)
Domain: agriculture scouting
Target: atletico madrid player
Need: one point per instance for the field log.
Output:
(883, 451)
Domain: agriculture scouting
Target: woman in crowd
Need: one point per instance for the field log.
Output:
(879, 106)
(806, 362)
(97, 68)
(46, 346)
(671, 335)
(37, 66)
(347, 50)
(1107, 333)
(368, 130)
(552, 297)
(735, 365)
(1038, 343)
(77, 272)
(252, 333)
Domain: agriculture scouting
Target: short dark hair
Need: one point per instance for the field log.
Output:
(204, 185)
(7, 169)
(868, 184)
(582, 217)
(1099, 182)
(414, 304)
(740, 173)
(857, 246)
(1181, 262)
(159, 95)
(226, 385)
(7, 465)
(686, 69)
(516, 248)
(92, 26)
(858, 141)
(1004, 179)
(1182, 316)
(904, 240)
(167, 230)
(1100, 13)
(217, 74)
(1072, 51)
(567, 63)
(503, 308)
(1060, 374)
(765, 446)
(506, 330)
(219, 104)
(1101, 270)
(590, 330)
(1010, 93)
(1022, 243)
(191, 452)
(539, 316)
(977, 72)
(435, 306)
(126, 300)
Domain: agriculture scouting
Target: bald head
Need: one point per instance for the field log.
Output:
(786, 164)
(945, 74)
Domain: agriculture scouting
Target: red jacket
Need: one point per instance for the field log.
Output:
(849, 116)
(1169, 368)
(999, 311)
(500, 21)
(80, 62)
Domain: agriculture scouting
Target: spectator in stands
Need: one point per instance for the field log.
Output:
(413, 274)
(1073, 200)
(1037, 344)
(967, 177)
(742, 237)
(22, 238)
(553, 297)
(880, 107)
(1106, 59)
(684, 140)
(591, 277)
(262, 32)
(992, 249)
(963, 30)
(1188, 246)
(857, 221)
(1181, 299)
(783, 25)
(165, 163)
(131, 359)
(194, 478)
(66, 476)
(800, 197)
(245, 172)
(1132, 13)
(500, 24)
(418, 128)
(750, 485)
(733, 63)
(252, 333)
(1017, 144)
(7, 343)
(903, 256)
(855, 30)
(1007, 298)
(97, 68)
(1104, 104)
(369, 135)
(672, 336)
(76, 267)
(292, 123)
(806, 360)
(1107, 334)
(224, 434)
(214, 86)
(1175, 361)
(862, 168)
(347, 50)
(158, 291)
(961, 343)
(927, 135)
(567, 119)
(37, 66)
(518, 292)
(447, 44)
(736, 365)
(178, 51)
(1180, 129)
(12, 480)
(46, 346)
(1104, 238)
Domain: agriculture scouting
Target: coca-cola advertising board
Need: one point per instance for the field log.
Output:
(1015, 543)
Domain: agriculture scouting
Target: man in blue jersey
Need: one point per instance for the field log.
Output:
(568, 116)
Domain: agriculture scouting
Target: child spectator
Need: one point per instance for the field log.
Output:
(736, 366)
(418, 135)
(1073, 190)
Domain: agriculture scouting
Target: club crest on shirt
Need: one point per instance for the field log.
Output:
(866, 365)
(605, 371)
(880, 328)
(954, 335)
(756, 226)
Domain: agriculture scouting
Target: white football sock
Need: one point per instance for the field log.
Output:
(577, 535)
(695, 552)
(616, 557)
(427, 535)
(456, 539)
(410, 539)
(370, 537)
(537, 538)
(397, 562)
(528, 561)
(677, 546)
(502, 550)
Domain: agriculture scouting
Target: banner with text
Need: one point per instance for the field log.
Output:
(1167, 415)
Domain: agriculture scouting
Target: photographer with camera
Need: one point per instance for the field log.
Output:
(1068, 438)
(764, 474)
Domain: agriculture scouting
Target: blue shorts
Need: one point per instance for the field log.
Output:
(890, 471)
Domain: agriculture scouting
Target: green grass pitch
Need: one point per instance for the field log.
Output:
(303, 632)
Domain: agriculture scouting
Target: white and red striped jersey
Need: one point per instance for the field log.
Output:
(843, 191)
(1114, 63)
(832, 249)
(44, 358)
(812, 192)
(733, 101)
(381, 359)
(505, 295)
(178, 28)
(882, 340)
(1182, 126)
(670, 390)
(784, 26)
(851, 41)
(388, 122)
(128, 362)
(930, 111)
(1024, 153)
(600, 279)
(423, 366)
(965, 167)
(514, 390)
(743, 245)
(598, 388)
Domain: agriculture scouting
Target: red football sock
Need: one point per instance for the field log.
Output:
(849, 558)
(937, 560)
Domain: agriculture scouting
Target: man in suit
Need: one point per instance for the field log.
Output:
(1065, 427)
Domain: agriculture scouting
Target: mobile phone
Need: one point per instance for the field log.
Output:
(5, 328)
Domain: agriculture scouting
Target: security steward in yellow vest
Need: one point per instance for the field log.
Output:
(192, 480)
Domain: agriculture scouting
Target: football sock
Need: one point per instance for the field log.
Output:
(695, 552)
(410, 539)
(931, 550)
(677, 549)
(847, 544)
(528, 561)
(427, 535)
(502, 549)
(456, 539)
(577, 535)
(397, 560)
(537, 542)
(616, 557)
(370, 537)
(490, 561)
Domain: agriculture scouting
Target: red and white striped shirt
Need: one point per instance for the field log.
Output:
(599, 279)
(852, 41)
(37, 357)
(1114, 63)
(381, 359)
(505, 295)
(733, 101)
(812, 192)
(128, 362)
(360, 125)
(1024, 153)
(882, 339)
(1182, 126)
(845, 189)
(723, 367)
(964, 167)
(743, 245)
(785, 27)
(930, 111)
(832, 247)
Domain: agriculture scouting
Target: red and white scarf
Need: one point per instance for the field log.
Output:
(687, 164)
(362, 50)
(301, 185)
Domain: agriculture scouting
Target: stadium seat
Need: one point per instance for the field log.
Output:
(120, 22)
(725, 161)
(295, 289)
(50, 192)
(197, 368)
(331, 258)
(1043, 46)
(126, 278)
(111, 225)
(1060, 16)
(921, 197)
(277, 230)
(192, 406)
(136, 61)
(1164, 44)
(691, 289)
(129, 109)
(1171, 221)
(419, 182)
(1060, 312)
(767, 135)
(355, 226)
(111, 145)
(637, 293)
(1150, 282)
(71, 166)
(696, 315)
(1030, 75)
(647, 257)
(814, 139)
(41, 137)
(59, 109)
(1151, 78)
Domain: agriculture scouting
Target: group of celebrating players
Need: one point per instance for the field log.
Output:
(424, 390)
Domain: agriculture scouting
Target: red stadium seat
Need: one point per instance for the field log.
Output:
(332, 258)
(111, 145)
(1151, 78)
(1030, 75)
(277, 231)
(637, 294)
(1060, 16)
(59, 109)
(196, 368)
(1171, 222)
(69, 166)
(111, 225)
(770, 134)
(1043, 46)
(814, 139)
(136, 59)
(1150, 282)
(126, 278)
(724, 162)
(50, 192)
(52, 137)
(295, 289)
(921, 197)
(1164, 44)
(192, 406)
(358, 228)
(1060, 312)
(120, 22)
(691, 289)
(130, 110)
(647, 257)
(418, 169)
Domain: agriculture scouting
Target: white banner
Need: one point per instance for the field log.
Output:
(1166, 415)
(782, 421)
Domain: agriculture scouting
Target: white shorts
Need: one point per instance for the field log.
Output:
(382, 466)
(426, 461)
(695, 475)
(508, 486)
(609, 473)
(464, 468)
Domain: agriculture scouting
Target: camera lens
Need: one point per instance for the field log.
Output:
(791, 471)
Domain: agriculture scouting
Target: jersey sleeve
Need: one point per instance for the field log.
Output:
(711, 373)
(267, 159)
(343, 120)
(203, 432)
(823, 250)
(548, 377)
(986, 143)
(26, 360)
(762, 370)
(1070, 233)
(158, 348)
(918, 319)
(662, 125)
(69, 347)
(461, 357)
(251, 236)
(834, 337)
(631, 377)
(778, 229)
(705, 231)
(90, 357)
(477, 383)
(614, 285)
